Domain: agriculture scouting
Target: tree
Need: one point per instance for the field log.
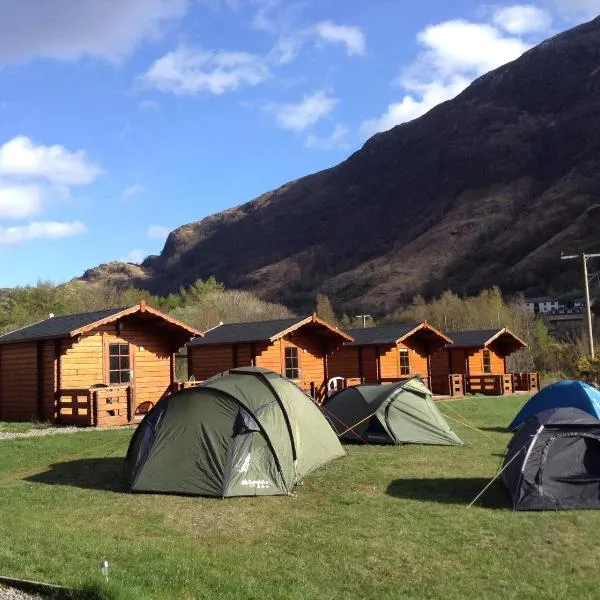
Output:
(324, 309)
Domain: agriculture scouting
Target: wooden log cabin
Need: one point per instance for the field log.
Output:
(475, 362)
(296, 348)
(387, 354)
(97, 368)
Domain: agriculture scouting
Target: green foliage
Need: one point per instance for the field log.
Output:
(588, 369)
(203, 304)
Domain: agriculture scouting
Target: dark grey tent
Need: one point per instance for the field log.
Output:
(553, 461)
(391, 413)
(246, 432)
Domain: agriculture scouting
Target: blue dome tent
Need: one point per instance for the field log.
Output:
(575, 394)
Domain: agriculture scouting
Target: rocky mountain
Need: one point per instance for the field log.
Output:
(486, 189)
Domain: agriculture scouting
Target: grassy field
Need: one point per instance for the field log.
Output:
(384, 522)
(21, 427)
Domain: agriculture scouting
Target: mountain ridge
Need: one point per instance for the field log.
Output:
(485, 189)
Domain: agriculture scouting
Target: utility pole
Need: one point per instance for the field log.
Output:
(364, 319)
(586, 286)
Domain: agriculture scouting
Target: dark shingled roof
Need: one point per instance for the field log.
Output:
(57, 327)
(257, 331)
(389, 334)
(475, 338)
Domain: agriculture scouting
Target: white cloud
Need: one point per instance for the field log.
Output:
(158, 232)
(18, 201)
(349, 35)
(464, 47)
(338, 140)
(428, 95)
(51, 230)
(521, 19)
(579, 10)
(21, 158)
(133, 191)
(285, 50)
(71, 29)
(32, 176)
(311, 109)
(135, 256)
(186, 71)
(455, 53)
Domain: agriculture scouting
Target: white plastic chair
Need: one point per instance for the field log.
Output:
(335, 384)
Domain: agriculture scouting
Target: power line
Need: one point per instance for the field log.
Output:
(586, 286)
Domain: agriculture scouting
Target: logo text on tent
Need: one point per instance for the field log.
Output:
(259, 483)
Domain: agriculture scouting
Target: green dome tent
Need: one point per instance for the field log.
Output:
(392, 413)
(246, 432)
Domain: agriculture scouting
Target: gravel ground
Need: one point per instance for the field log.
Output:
(7, 593)
(11, 435)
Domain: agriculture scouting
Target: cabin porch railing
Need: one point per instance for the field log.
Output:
(526, 382)
(492, 384)
(95, 407)
(456, 384)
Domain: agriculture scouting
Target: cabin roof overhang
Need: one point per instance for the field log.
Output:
(269, 332)
(503, 338)
(393, 335)
(52, 328)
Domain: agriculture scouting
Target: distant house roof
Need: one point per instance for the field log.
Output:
(392, 334)
(261, 331)
(480, 338)
(72, 325)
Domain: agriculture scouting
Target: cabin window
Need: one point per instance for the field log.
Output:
(119, 363)
(487, 361)
(404, 362)
(292, 363)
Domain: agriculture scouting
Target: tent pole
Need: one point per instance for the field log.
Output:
(494, 479)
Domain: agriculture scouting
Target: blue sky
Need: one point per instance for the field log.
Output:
(123, 119)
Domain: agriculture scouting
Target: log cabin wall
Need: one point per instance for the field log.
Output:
(206, 361)
(369, 361)
(388, 362)
(476, 362)
(378, 362)
(85, 362)
(462, 361)
(311, 359)
(440, 370)
(18, 381)
(345, 362)
(48, 379)
(417, 353)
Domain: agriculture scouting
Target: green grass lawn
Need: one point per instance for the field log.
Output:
(384, 522)
(21, 427)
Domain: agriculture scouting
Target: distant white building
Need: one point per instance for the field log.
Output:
(541, 306)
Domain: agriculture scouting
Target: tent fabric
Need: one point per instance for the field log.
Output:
(397, 413)
(576, 394)
(553, 462)
(247, 432)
